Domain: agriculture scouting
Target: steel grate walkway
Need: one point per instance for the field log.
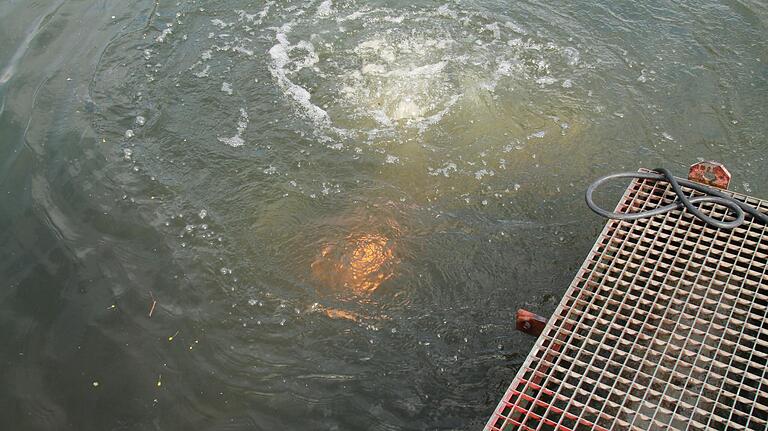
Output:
(665, 326)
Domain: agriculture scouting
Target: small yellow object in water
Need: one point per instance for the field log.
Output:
(95, 384)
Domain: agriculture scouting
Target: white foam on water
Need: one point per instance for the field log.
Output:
(446, 11)
(483, 173)
(282, 65)
(444, 171)
(242, 50)
(242, 124)
(353, 16)
(270, 170)
(406, 80)
(220, 23)
(436, 86)
(255, 18)
(165, 33)
(325, 8)
(203, 73)
(572, 55)
(245, 16)
(396, 84)
(515, 28)
(546, 80)
(395, 19)
(494, 28)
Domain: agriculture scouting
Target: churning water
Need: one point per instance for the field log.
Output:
(324, 214)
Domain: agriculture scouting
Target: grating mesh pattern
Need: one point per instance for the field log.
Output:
(664, 327)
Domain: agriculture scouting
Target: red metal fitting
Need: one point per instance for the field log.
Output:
(530, 323)
(710, 173)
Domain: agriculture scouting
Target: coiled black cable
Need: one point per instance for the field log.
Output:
(712, 195)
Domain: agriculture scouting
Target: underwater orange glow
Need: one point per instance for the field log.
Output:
(360, 263)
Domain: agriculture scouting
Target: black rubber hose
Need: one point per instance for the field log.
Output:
(712, 195)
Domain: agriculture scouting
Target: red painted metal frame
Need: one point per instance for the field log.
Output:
(710, 173)
(692, 268)
(529, 323)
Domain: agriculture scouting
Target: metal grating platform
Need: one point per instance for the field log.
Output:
(664, 327)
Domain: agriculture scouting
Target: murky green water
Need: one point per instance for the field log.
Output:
(335, 207)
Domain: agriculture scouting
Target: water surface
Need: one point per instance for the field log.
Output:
(335, 207)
